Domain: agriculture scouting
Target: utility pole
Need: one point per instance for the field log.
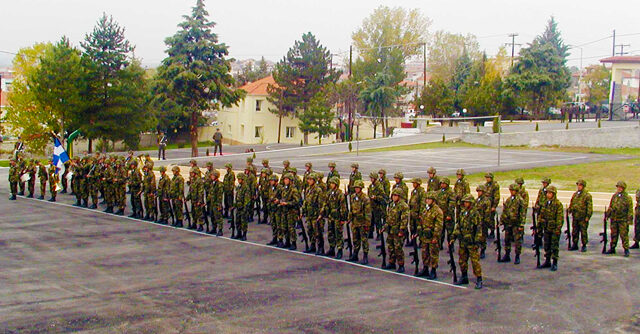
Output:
(424, 66)
(611, 92)
(349, 126)
(622, 53)
(613, 54)
(513, 45)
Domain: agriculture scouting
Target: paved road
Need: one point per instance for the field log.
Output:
(71, 269)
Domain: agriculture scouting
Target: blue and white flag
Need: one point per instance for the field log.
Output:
(60, 156)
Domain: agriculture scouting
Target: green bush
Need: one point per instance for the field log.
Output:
(477, 128)
(599, 125)
(566, 126)
(350, 147)
(207, 152)
(537, 127)
(443, 138)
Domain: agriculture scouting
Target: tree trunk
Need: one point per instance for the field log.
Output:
(306, 137)
(375, 127)
(193, 133)
(279, 125)
(90, 146)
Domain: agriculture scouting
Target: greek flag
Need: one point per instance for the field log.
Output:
(60, 156)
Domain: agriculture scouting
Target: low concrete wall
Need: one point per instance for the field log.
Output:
(611, 137)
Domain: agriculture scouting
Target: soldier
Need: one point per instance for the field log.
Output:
(378, 199)
(252, 186)
(522, 191)
(417, 201)
(273, 192)
(353, 177)
(65, 174)
(433, 184)
(550, 221)
(397, 217)
(196, 196)
(468, 232)
(194, 167)
(14, 178)
(620, 213)
(93, 183)
(53, 181)
(399, 183)
(121, 186)
(332, 171)
(177, 195)
(312, 204)
(513, 218)
(581, 207)
(542, 192)
(483, 207)
(22, 164)
(360, 218)
(242, 204)
(296, 179)
(636, 228)
(228, 184)
(43, 175)
(319, 179)
(265, 165)
(429, 228)
(386, 185)
(109, 185)
(288, 202)
(308, 170)
(135, 186)
(78, 180)
(148, 161)
(149, 190)
(162, 145)
(492, 191)
(263, 192)
(164, 198)
(446, 200)
(461, 188)
(285, 167)
(31, 170)
(335, 210)
(252, 167)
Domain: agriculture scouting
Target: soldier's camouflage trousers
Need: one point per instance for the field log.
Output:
(150, 203)
(286, 230)
(311, 229)
(14, 187)
(196, 214)
(430, 252)
(178, 208)
(80, 189)
(43, 188)
(121, 196)
(394, 247)
(335, 234)
(31, 185)
(92, 190)
(136, 202)
(376, 220)
(448, 227)
(636, 227)
(485, 233)
(52, 190)
(164, 209)
(319, 229)
(22, 186)
(619, 228)
(466, 252)
(243, 216)
(274, 216)
(64, 181)
(551, 244)
(513, 233)
(228, 203)
(579, 231)
(360, 239)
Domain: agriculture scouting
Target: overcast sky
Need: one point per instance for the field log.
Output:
(269, 27)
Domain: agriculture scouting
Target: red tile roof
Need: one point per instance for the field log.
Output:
(259, 87)
(622, 59)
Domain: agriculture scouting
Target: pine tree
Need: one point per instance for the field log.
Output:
(318, 117)
(196, 73)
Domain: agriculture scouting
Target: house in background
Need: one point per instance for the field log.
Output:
(625, 84)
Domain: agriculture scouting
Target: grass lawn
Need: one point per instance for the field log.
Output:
(421, 146)
(178, 145)
(4, 163)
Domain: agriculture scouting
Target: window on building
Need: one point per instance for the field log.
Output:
(290, 131)
(258, 132)
(258, 105)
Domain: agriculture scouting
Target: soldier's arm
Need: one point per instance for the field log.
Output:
(404, 218)
(559, 218)
(367, 210)
(629, 210)
(437, 226)
(589, 204)
(522, 214)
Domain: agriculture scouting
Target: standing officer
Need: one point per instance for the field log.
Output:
(581, 208)
(196, 196)
(335, 210)
(551, 219)
(429, 229)
(311, 206)
(620, 213)
(433, 184)
(289, 202)
(513, 218)
(483, 207)
(416, 203)
(446, 200)
(353, 177)
(228, 184)
(360, 218)
(332, 171)
(217, 142)
(378, 199)
(177, 195)
(468, 232)
(492, 191)
(163, 195)
(397, 217)
(162, 145)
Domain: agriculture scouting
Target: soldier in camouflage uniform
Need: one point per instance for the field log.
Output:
(78, 178)
(636, 228)
(164, 197)
(121, 186)
(360, 218)
(311, 206)
(196, 196)
(386, 185)
(319, 179)
(332, 171)
(522, 191)
(31, 170)
(265, 165)
(353, 177)
(335, 210)
(461, 188)
(308, 170)
(64, 179)
(228, 184)
(468, 232)
(429, 229)
(274, 213)
(399, 183)
(135, 186)
(289, 203)
(513, 218)
(93, 182)
(242, 204)
(446, 200)
(176, 191)
(620, 213)
(263, 191)
(492, 191)
(14, 178)
(483, 207)
(107, 179)
(550, 221)
(251, 183)
(417, 201)
(581, 208)
(433, 183)
(22, 164)
(194, 168)
(53, 181)
(542, 193)
(43, 175)
(215, 193)
(395, 224)
(378, 198)
(149, 191)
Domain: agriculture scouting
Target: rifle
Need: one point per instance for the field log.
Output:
(187, 214)
(348, 239)
(452, 263)
(497, 241)
(383, 250)
(568, 230)
(173, 217)
(232, 221)
(536, 238)
(303, 234)
(205, 216)
(415, 260)
(156, 202)
(603, 234)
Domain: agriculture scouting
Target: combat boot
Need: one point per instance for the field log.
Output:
(320, 250)
(339, 254)
(584, 248)
(220, 233)
(635, 245)
(109, 209)
(353, 258)
(293, 246)
(423, 272)
(77, 203)
(279, 244)
(554, 266)
(626, 253)
(179, 223)
(53, 199)
(64, 191)
(517, 261)
(390, 266)
(479, 282)
(506, 257)
(41, 197)
(482, 255)
(12, 198)
(611, 251)
(244, 236)
(463, 280)
(93, 206)
(30, 195)
(287, 244)
(200, 229)
(273, 241)
(370, 235)
(146, 217)
(311, 249)
(21, 193)
(546, 264)
(573, 248)
(85, 203)
(400, 269)
(365, 259)
(433, 275)
(331, 252)
(133, 215)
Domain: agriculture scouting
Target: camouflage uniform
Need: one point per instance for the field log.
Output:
(121, 187)
(385, 182)
(513, 218)
(196, 196)
(433, 183)
(135, 186)
(149, 190)
(274, 213)
(332, 171)
(522, 191)
(53, 182)
(43, 175)
(416, 203)
(64, 180)
(263, 191)
(395, 224)
(215, 193)
(242, 204)
(23, 168)
(581, 208)
(400, 184)
(164, 197)
(14, 178)
(378, 199)
(31, 184)
(468, 233)
(335, 210)
(289, 202)
(620, 213)
(228, 184)
(177, 195)
(308, 171)
(360, 218)
(78, 181)
(542, 193)
(429, 229)
(461, 188)
(446, 200)
(93, 182)
(636, 228)
(353, 177)
(311, 206)
(550, 221)
(492, 191)
(483, 207)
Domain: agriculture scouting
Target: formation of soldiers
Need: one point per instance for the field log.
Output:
(425, 219)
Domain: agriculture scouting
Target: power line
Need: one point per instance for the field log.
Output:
(11, 53)
(595, 41)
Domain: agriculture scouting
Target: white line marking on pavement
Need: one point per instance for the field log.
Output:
(252, 243)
